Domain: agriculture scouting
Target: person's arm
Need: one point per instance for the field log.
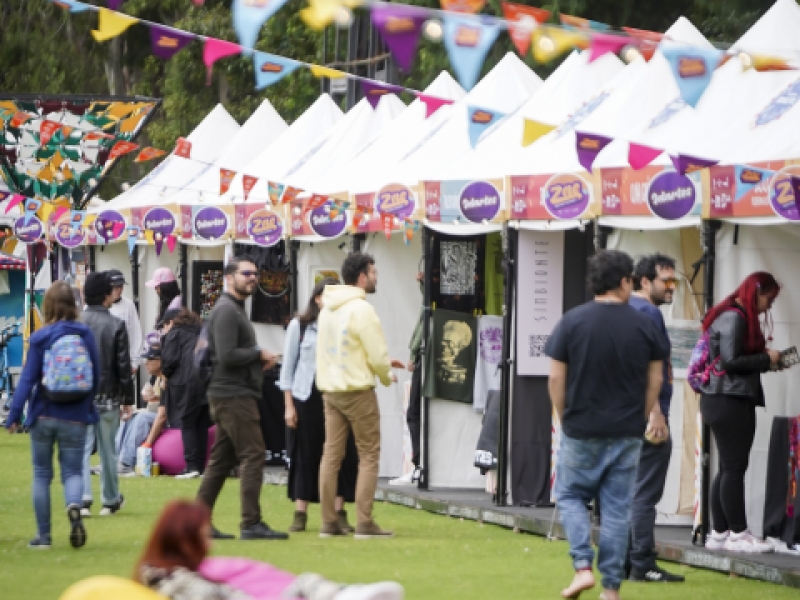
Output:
(170, 354)
(370, 333)
(158, 425)
(134, 335)
(557, 386)
(731, 328)
(291, 352)
(289, 411)
(655, 377)
(225, 329)
(31, 375)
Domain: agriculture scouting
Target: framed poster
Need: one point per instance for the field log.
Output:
(319, 273)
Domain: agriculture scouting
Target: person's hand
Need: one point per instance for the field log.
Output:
(13, 428)
(268, 358)
(410, 366)
(290, 416)
(657, 431)
(397, 364)
(774, 359)
(126, 411)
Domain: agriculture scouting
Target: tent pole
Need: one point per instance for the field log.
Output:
(134, 258)
(507, 362)
(184, 275)
(294, 249)
(92, 259)
(425, 463)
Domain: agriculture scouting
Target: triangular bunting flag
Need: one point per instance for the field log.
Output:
(213, 50)
(522, 22)
(15, 199)
(467, 40)
(581, 23)
(148, 154)
(748, 178)
(409, 229)
(400, 27)
(275, 190)
(45, 211)
(47, 130)
(225, 179)
(120, 148)
(551, 42)
(111, 24)
(183, 148)
(692, 68)
(338, 207)
(249, 16)
(770, 63)
(72, 5)
(373, 91)
(388, 224)
(646, 41)
(432, 103)
(640, 156)
(31, 206)
(358, 215)
(117, 228)
(271, 69)
(684, 163)
(316, 201)
(133, 236)
(290, 194)
(319, 71)
(166, 42)
(479, 121)
(248, 183)
(19, 119)
(533, 130)
(158, 240)
(60, 211)
(76, 219)
(589, 146)
(115, 4)
(604, 43)
(171, 239)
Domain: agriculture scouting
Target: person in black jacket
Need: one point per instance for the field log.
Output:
(115, 394)
(187, 405)
(739, 354)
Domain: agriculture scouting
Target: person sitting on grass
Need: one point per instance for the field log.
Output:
(175, 564)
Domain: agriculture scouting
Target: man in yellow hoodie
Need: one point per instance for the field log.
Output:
(351, 352)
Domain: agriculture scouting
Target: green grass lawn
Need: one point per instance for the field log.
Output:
(432, 556)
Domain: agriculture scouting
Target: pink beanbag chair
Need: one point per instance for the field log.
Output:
(168, 450)
(260, 581)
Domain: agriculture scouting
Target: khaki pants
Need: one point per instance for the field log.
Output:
(344, 411)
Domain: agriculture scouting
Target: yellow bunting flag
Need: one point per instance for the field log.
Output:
(320, 13)
(111, 24)
(319, 71)
(45, 210)
(551, 42)
(770, 63)
(533, 130)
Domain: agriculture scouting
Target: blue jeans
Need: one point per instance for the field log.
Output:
(133, 434)
(70, 436)
(604, 469)
(105, 430)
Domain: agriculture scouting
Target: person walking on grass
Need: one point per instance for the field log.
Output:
(351, 352)
(236, 381)
(125, 310)
(115, 395)
(305, 419)
(605, 377)
(54, 422)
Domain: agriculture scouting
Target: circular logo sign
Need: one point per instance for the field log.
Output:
(110, 225)
(68, 236)
(210, 223)
(781, 195)
(671, 195)
(159, 220)
(265, 227)
(323, 225)
(395, 199)
(566, 196)
(479, 201)
(28, 233)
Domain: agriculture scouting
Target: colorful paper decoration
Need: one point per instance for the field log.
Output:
(270, 69)
(409, 229)
(463, 6)
(479, 121)
(249, 16)
(76, 219)
(533, 130)
(589, 146)
(15, 199)
(373, 92)
(316, 201)
(640, 156)
(111, 24)
(467, 40)
(133, 236)
(275, 190)
(59, 212)
(692, 68)
(321, 13)
(689, 164)
(290, 194)
(225, 179)
(115, 4)
(551, 42)
(522, 22)
(749, 177)
(183, 148)
(248, 183)
(604, 43)
(31, 206)
(400, 27)
(581, 23)
(646, 41)
(47, 130)
(171, 239)
(213, 50)
(148, 153)
(769, 63)
(121, 148)
(432, 103)
(388, 224)
(72, 5)
(166, 42)
(319, 71)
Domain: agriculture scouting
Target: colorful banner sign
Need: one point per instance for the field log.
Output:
(671, 195)
(210, 223)
(567, 196)
(29, 232)
(159, 220)
(109, 225)
(463, 200)
(480, 201)
(727, 197)
(784, 188)
(748, 178)
(395, 199)
(265, 227)
(66, 235)
(323, 225)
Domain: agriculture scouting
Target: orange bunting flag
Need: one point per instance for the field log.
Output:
(19, 119)
(646, 41)
(148, 154)
(290, 194)
(225, 179)
(358, 215)
(248, 183)
(522, 21)
(47, 131)
(388, 224)
(183, 148)
(98, 135)
(316, 201)
(121, 148)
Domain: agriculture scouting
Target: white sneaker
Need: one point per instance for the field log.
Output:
(746, 543)
(716, 540)
(780, 547)
(384, 590)
(403, 480)
(189, 475)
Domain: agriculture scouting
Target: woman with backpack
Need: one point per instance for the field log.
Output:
(305, 417)
(187, 406)
(59, 381)
(738, 355)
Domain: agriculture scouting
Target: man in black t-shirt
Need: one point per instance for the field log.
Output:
(605, 376)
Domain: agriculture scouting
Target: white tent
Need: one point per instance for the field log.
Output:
(775, 33)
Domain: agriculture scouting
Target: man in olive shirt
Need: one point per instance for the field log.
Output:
(236, 379)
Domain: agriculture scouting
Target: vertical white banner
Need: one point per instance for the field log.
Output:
(540, 297)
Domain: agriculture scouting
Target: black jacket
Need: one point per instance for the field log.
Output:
(177, 364)
(741, 372)
(111, 336)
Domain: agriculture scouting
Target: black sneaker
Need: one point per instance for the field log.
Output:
(656, 574)
(216, 534)
(261, 531)
(110, 509)
(40, 542)
(77, 532)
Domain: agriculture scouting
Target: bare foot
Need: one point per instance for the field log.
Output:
(609, 595)
(583, 580)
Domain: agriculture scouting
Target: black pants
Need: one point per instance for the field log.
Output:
(194, 433)
(732, 420)
(413, 417)
(651, 476)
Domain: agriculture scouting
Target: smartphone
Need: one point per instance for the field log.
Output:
(789, 357)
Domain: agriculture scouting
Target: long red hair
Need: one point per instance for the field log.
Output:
(177, 538)
(747, 293)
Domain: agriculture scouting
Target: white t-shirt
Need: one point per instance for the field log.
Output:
(126, 310)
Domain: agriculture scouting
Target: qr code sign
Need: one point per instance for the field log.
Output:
(537, 343)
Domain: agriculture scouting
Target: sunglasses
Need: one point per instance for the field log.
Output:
(670, 281)
(248, 273)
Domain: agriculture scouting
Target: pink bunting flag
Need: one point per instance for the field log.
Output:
(215, 50)
(603, 43)
(171, 239)
(59, 213)
(15, 199)
(640, 156)
(684, 163)
(432, 103)
(117, 228)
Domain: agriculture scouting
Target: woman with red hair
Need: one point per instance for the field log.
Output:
(739, 354)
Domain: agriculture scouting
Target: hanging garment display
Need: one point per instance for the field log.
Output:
(489, 357)
(457, 272)
(450, 370)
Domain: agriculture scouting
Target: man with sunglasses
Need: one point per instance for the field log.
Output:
(654, 284)
(237, 375)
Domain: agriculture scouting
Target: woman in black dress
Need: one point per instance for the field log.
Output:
(305, 418)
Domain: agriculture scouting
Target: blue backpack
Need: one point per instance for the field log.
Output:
(67, 375)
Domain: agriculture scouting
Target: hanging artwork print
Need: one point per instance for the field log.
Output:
(490, 354)
(457, 272)
(458, 261)
(450, 371)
